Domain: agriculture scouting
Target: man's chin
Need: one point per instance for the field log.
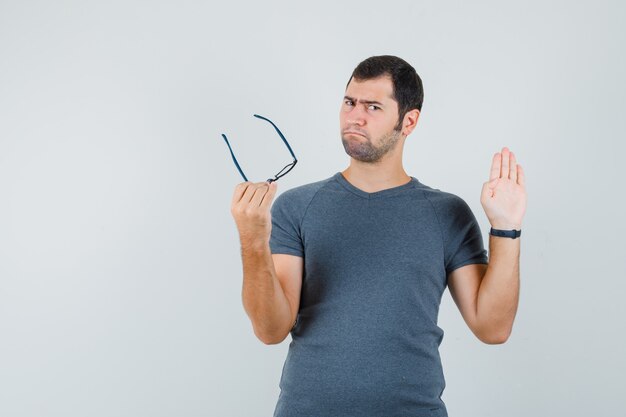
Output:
(353, 152)
(356, 136)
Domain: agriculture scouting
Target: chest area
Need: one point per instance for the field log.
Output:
(401, 230)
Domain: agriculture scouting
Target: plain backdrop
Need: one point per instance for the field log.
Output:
(120, 270)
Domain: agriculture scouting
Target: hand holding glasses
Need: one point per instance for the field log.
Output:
(283, 171)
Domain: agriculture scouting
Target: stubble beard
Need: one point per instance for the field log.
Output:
(362, 149)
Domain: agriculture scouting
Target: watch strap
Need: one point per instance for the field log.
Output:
(513, 234)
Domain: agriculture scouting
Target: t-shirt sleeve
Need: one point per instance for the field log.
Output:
(463, 242)
(286, 234)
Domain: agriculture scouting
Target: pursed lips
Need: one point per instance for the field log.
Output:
(353, 133)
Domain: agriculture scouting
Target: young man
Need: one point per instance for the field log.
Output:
(354, 266)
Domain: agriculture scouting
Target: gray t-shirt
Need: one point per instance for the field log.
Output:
(365, 342)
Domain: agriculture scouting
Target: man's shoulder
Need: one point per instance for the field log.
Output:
(300, 196)
(439, 197)
(445, 203)
(304, 191)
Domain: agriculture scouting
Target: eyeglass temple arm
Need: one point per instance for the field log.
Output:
(235, 159)
(279, 134)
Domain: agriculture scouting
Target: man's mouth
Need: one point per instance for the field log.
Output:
(353, 133)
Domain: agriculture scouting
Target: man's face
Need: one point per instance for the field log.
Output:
(367, 119)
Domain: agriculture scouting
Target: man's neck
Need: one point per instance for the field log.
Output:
(372, 178)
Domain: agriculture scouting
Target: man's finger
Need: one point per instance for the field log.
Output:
(504, 171)
(513, 168)
(240, 189)
(250, 192)
(269, 196)
(260, 191)
(495, 166)
(521, 178)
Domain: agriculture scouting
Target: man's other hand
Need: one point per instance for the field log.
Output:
(250, 208)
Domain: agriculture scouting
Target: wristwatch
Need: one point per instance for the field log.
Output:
(513, 234)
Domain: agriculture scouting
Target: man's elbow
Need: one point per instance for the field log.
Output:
(270, 339)
(495, 338)
(490, 334)
(275, 341)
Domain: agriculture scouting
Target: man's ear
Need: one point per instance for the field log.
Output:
(410, 121)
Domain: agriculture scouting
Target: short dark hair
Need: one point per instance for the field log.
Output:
(407, 85)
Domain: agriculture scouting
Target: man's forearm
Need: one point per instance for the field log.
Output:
(263, 297)
(498, 295)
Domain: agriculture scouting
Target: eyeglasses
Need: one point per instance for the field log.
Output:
(283, 171)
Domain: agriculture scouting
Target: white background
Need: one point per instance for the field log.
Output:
(120, 272)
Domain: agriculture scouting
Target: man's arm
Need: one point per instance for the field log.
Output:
(271, 283)
(488, 296)
(271, 291)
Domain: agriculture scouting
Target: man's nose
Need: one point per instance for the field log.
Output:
(356, 116)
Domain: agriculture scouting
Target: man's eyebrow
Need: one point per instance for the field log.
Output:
(364, 101)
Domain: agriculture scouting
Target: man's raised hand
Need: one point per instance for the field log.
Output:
(503, 197)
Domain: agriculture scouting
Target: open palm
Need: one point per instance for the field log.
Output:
(503, 197)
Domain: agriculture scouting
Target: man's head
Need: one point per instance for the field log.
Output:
(382, 103)
(407, 85)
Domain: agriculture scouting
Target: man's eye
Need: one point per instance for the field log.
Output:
(348, 102)
(374, 107)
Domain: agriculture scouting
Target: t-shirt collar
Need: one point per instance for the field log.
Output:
(378, 194)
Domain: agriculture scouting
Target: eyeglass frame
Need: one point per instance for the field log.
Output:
(280, 173)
